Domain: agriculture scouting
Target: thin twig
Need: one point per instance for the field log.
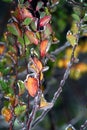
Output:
(57, 51)
(34, 110)
(84, 126)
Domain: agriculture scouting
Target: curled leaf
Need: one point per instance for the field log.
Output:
(31, 85)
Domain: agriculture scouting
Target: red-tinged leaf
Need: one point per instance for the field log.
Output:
(26, 14)
(47, 32)
(36, 65)
(44, 20)
(32, 37)
(44, 47)
(17, 14)
(2, 48)
(14, 29)
(31, 85)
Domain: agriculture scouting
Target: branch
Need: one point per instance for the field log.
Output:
(84, 126)
(34, 110)
(57, 51)
(58, 92)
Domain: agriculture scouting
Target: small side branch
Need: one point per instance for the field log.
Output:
(57, 51)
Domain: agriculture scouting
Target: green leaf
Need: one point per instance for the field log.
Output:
(21, 87)
(21, 40)
(85, 17)
(20, 109)
(5, 86)
(27, 41)
(76, 17)
(27, 21)
(39, 5)
(77, 10)
(14, 29)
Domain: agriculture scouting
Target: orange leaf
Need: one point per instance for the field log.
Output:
(2, 48)
(31, 36)
(31, 85)
(43, 48)
(38, 64)
(44, 20)
(6, 112)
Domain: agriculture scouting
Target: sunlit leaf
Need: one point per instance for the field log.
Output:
(14, 29)
(6, 112)
(31, 85)
(44, 20)
(21, 87)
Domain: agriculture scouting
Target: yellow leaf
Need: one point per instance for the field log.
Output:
(44, 104)
(71, 38)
